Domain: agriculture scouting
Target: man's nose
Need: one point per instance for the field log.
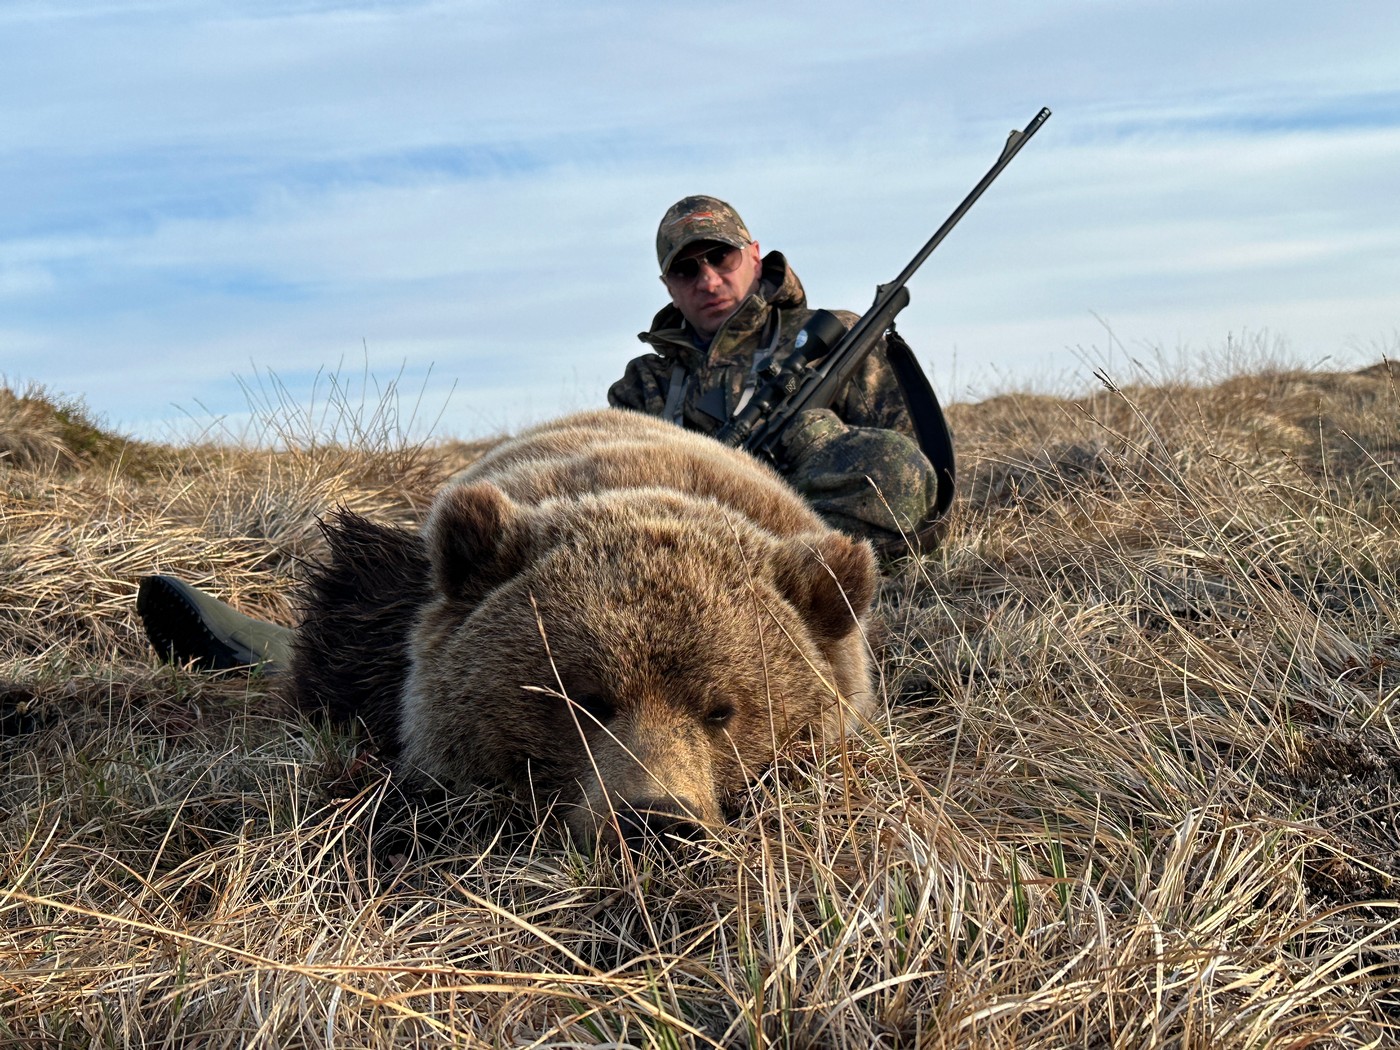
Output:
(708, 277)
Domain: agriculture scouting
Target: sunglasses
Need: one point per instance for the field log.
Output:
(722, 258)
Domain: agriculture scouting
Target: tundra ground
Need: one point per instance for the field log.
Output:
(1136, 782)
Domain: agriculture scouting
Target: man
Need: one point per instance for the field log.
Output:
(732, 310)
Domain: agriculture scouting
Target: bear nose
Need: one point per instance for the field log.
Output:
(647, 822)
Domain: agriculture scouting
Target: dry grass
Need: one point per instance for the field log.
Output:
(1137, 785)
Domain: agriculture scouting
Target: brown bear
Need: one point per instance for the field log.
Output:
(608, 611)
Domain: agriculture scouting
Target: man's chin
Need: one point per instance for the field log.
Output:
(715, 317)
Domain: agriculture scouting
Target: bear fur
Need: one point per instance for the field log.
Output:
(606, 611)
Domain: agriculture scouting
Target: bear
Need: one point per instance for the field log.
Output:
(606, 611)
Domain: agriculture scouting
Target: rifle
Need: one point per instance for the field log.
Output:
(826, 355)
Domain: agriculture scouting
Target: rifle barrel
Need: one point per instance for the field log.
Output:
(1014, 142)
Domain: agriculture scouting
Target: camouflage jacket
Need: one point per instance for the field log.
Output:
(857, 463)
(778, 309)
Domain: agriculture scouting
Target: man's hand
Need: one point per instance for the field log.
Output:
(809, 431)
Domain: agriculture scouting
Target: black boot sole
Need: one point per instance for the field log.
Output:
(178, 632)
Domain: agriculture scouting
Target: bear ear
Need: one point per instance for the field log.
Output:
(830, 580)
(476, 540)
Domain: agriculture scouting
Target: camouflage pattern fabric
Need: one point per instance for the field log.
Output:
(857, 463)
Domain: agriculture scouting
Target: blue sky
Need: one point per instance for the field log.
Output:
(461, 197)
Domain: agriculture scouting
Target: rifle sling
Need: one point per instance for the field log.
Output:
(675, 396)
(930, 428)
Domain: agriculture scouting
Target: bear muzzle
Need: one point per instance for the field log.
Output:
(649, 823)
(648, 788)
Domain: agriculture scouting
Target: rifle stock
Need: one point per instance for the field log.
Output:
(814, 379)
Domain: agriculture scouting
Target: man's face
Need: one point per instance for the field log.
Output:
(708, 298)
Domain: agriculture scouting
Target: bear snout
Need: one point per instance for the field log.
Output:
(652, 780)
(612, 821)
(658, 821)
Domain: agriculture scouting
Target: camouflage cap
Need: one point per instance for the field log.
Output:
(698, 218)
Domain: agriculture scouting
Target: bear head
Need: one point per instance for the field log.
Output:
(635, 655)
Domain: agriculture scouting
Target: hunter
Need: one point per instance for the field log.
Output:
(733, 310)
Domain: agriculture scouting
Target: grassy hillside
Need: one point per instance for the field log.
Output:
(1138, 783)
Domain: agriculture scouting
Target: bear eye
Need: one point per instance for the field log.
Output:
(719, 715)
(593, 709)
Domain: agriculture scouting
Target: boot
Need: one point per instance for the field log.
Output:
(185, 625)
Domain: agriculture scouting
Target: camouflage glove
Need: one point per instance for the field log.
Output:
(865, 481)
(810, 430)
